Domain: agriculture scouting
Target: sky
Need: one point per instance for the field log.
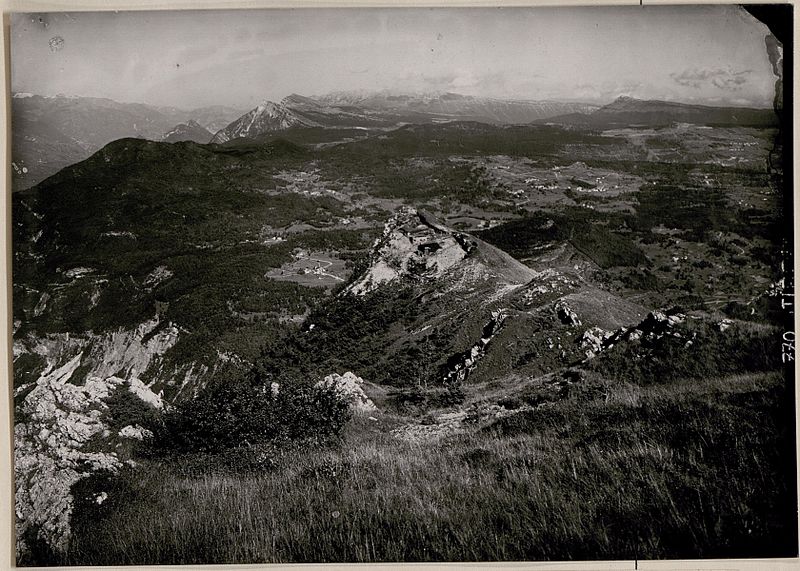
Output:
(698, 54)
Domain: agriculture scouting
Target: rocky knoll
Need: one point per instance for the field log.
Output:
(416, 248)
(657, 324)
(412, 246)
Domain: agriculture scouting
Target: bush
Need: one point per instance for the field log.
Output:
(241, 412)
(125, 408)
(453, 396)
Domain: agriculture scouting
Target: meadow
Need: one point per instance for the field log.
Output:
(689, 468)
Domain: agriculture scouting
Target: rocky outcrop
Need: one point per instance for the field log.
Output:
(125, 352)
(724, 324)
(417, 249)
(57, 414)
(566, 314)
(349, 388)
(460, 365)
(55, 421)
(593, 340)
(656, 325)
(413, 246)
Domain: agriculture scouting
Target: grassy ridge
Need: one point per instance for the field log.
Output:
(689, 469)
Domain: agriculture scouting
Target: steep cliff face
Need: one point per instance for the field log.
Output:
(61, 411)
(125, 353)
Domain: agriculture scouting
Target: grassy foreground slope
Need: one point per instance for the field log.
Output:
(694, 468)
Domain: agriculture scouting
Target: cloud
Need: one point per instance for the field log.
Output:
(725, 79)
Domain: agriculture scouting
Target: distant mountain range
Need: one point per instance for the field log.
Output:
(453, 105)
(49, 133)
(384, 109)
(628, 111)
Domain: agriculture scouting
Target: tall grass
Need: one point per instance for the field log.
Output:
(691, 469)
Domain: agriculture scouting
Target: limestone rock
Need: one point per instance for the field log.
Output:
(593, 340)
(566, 314)
(57, 419)
(135, 432)
(348, 386)
(413, 246)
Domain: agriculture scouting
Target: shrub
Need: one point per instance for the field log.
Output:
(453, 396)
(125, 408)
(240, 412)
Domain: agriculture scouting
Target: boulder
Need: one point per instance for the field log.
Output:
(593, 340)
(567, 315)
(348, 386)
(135, 432)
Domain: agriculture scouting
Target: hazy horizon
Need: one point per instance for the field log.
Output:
(711, 55)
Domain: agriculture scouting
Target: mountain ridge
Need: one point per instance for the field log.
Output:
(189, 131)
(626, 110)
(387, 109)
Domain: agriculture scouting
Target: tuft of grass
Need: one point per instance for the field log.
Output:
(687, 469)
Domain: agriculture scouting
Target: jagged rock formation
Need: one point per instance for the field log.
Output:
(593, 340)
(60, 412)
(656, 325)
(126, 353)
(566, 314)
(349, 388)
(460, 365)
(55, 420)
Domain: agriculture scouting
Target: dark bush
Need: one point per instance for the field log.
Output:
(241, 412)
(453, 396)
(407, 400)
(125, 408)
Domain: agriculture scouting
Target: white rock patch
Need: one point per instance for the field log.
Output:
(348, 386)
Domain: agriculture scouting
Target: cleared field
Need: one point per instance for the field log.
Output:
(313, 269)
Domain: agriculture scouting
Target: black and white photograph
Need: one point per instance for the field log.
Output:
(402, 284)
